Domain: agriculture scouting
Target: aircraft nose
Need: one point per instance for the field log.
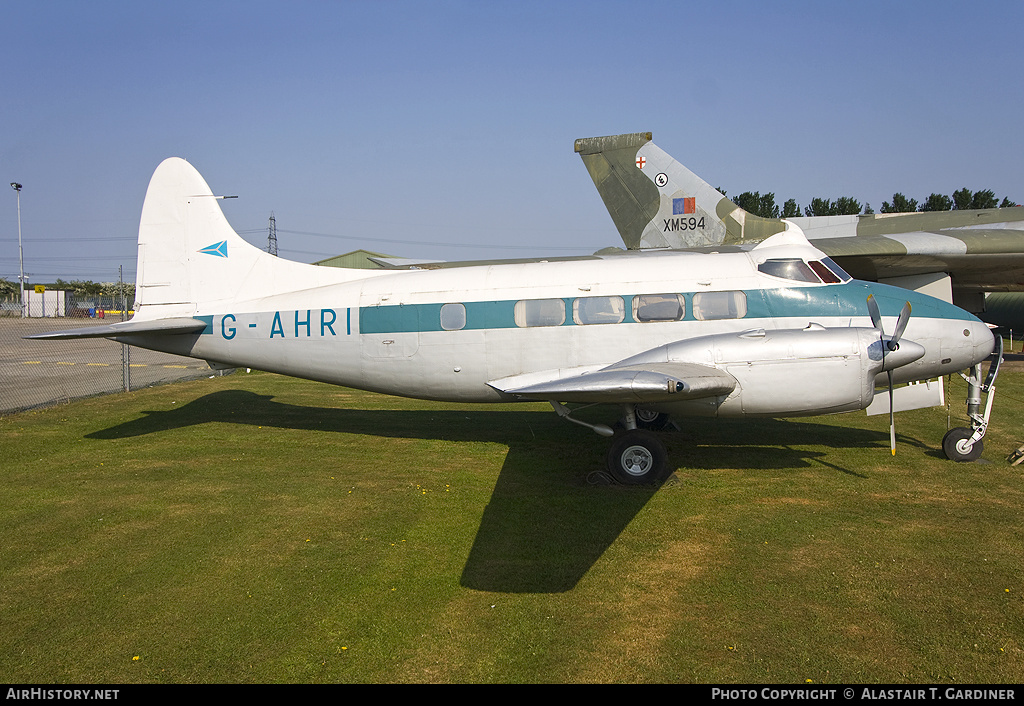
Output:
(982, 339)
(967, 343)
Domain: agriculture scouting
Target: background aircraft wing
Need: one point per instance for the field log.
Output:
(649, 382)
(656, 202)
(983, 259)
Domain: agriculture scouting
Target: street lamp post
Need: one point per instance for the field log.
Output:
(21, 258)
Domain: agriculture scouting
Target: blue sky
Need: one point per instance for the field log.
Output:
(445, 129)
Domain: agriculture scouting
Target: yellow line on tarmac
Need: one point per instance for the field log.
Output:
(106, 365)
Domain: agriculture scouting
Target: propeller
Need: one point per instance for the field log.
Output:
(892, 344)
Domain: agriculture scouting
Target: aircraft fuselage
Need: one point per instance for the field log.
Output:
(446, 334)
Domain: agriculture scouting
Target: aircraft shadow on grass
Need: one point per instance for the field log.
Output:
(553, 511)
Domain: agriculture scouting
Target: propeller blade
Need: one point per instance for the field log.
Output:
(876, 315)
(891, 345)
(901, 326)
(892, 420)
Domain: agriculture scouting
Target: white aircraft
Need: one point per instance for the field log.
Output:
(777, 330)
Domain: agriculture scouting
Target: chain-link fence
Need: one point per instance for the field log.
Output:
(35, 373)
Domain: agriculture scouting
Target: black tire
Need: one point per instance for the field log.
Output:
(653, 421)
(955, 448)
(637, 458)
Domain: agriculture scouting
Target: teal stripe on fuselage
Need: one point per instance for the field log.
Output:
(427, 317)
(403, 317)
(848, 299)
(808, 303)
(837, 300)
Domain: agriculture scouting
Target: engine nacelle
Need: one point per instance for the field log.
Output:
(788, 372)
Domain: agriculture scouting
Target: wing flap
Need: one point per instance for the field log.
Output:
(654, 382)
(128, 328)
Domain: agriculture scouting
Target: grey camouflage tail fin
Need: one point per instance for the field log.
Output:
(656, 202)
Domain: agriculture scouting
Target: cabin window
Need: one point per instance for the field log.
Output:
(658, 307)
(709, 306)
(453, 317)
(540, 312)
(598, 310)
(792, 268)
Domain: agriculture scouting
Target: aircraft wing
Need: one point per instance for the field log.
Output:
(648, 382)
(128, 328)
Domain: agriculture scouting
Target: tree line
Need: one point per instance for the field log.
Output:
(962, 199)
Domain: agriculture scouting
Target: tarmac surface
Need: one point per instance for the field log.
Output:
(38, 373)
(1013, 361)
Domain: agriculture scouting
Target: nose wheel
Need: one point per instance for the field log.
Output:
(958, 445)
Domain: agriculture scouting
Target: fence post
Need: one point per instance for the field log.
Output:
(126, 354)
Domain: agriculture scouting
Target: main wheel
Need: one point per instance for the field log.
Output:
(637, 458)
(957, 447)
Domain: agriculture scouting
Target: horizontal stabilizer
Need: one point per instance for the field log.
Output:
(630, 384)
(128, 328)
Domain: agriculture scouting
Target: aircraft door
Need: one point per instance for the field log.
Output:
(390, 331)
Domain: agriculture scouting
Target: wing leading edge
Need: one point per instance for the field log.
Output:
(653, 382)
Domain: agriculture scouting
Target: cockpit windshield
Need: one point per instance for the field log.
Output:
(795, 269)
(789, 268)
(839, 271)
(827, 275)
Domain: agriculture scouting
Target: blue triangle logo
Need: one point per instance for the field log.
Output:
(219, 249)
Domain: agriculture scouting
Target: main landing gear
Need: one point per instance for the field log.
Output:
(965, 444)
(636, 457)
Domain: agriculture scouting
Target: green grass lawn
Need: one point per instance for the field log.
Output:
(255, 528)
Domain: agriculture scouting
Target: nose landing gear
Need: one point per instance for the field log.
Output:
(966, 444)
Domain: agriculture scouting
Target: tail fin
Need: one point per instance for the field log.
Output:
(189, 255)
(182, 235)
(656, 202)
